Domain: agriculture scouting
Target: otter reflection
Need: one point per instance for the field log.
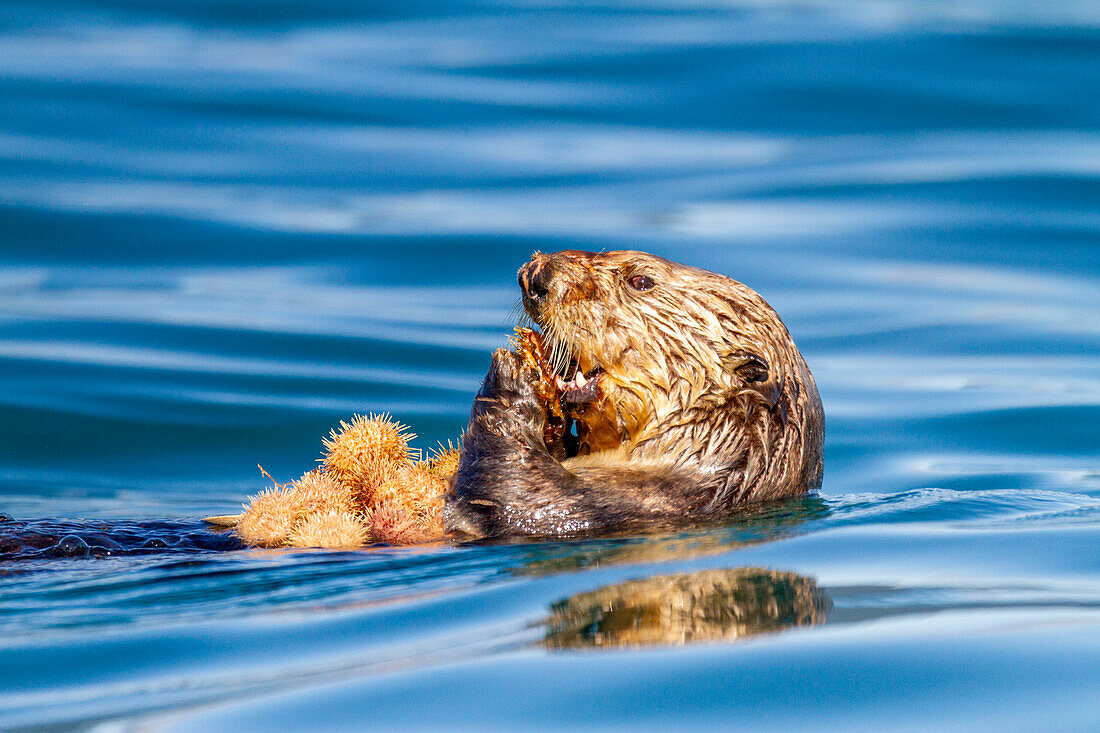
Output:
(679, 609)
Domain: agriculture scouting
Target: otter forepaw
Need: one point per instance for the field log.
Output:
(510, 378)
(508, 402)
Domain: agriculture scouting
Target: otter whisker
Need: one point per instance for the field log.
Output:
(560, 352)
(517, 315)
(560, 358)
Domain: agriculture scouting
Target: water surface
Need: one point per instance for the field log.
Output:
(226, 226)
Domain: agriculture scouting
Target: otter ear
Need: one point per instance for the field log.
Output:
(752, 368)
(756, 374)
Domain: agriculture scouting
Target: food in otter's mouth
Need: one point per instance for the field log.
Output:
(530, 347)
(565, 400)
(573, 386)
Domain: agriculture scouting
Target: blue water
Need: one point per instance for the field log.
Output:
(225, 226)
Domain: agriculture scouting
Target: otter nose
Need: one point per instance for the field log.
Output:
(534, 278)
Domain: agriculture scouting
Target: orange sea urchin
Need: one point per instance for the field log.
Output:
(443, 462)
(332, 530)
(416, 493)
(366, 490)
(318, 491)
(363, 453)
(269, 518)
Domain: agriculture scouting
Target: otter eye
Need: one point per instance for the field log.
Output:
(641, 282)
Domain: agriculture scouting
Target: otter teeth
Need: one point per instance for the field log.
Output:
(576, 382)
(581, 389)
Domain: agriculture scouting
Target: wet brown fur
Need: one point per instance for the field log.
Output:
(705, 404)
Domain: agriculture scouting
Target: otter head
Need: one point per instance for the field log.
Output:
(661, 361)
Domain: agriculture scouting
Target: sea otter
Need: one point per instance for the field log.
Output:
(683, 397)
